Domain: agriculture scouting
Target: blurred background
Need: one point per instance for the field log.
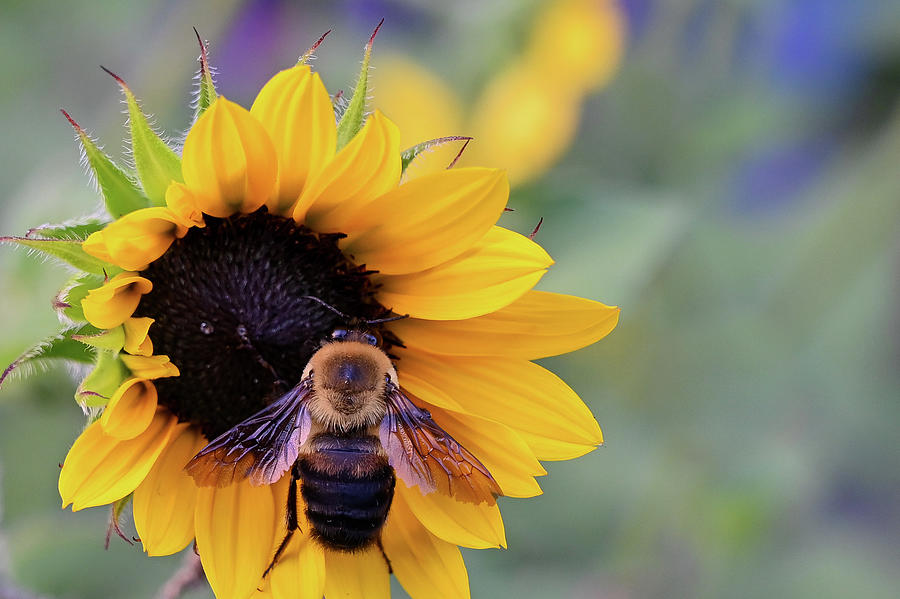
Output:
(725, 171)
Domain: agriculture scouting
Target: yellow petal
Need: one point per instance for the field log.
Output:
(506, 456)
(296, 111)
(137, 238)
(164, 503)
(235, 529)
(299, 574)
(137, 338)
(364, 169)
(426, 566)
(183, 205)
(546, 413)
(150, 367)
(522, 123)
(361, 575)
(495, 272)
(100, 469)
(130, 410)
(471, 525)
(229, 162)
(110, 305)
(537, 325)
(428, 221)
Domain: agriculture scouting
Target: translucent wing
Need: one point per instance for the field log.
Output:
(423, 454)
(261, 448)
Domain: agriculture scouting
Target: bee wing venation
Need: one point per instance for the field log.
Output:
(261, 448)
(423, 454)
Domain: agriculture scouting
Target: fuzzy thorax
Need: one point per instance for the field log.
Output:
(348, 385)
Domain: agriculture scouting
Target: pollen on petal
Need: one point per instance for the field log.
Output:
(114, 302)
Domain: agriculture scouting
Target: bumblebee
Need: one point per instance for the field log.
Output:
(346, 432)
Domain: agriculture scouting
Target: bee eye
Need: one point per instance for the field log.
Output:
(371, 339)
(339, 334)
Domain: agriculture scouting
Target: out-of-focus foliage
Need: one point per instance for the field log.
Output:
(733, 187)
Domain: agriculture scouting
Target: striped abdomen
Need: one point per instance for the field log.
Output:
(348, 486)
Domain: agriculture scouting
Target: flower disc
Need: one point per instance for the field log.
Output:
(230, 309)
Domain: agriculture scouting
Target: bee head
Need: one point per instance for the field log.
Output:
(349, 374)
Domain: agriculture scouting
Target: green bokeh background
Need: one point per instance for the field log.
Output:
(749, 396)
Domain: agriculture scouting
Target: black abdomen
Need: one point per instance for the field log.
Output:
(348, 486)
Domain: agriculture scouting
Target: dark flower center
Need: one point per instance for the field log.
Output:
(229, 309)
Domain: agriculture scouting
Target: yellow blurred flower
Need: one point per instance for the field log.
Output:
(577, 43)
(527, 115)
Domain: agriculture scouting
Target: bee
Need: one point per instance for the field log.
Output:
(346, 432)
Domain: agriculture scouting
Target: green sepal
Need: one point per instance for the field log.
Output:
(112, 339)
(115, 518)
(58, 347)
(77, 229)
(67, 250)
(410, 154)
(120, 193)
(355, 114)
(206, 85)
(68, 300)
(99, 386)
(157, 164)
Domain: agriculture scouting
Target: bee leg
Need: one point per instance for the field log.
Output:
(293, 523)
(384, 555)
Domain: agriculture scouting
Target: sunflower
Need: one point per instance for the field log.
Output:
(195, 302)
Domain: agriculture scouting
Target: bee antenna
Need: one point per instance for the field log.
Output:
(348, 318)
(389, 319)
(327, 305)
